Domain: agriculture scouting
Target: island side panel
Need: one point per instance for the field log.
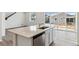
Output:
(19, 40)
(24, 41)
(11, 36)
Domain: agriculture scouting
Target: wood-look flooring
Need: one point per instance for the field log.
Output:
(6, 43)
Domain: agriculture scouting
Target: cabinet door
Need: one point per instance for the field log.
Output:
(64, 38)
(54, 34)
(64, 43)
(61, 34)
(47, 38)
(71, 36)
(58, 34)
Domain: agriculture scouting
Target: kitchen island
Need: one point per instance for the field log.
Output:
(27, 36)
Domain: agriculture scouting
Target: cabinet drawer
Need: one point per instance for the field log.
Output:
(58, 35)
(64, 43)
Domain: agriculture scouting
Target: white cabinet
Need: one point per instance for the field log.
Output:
(51, 36)
(64, 43)
(58, 34)
(48, 37)
(23, 41)
(71, 36)
(54, 34)
(64, 37)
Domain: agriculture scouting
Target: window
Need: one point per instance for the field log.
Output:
(33, 16)
(61, 20)
(55, 19)
(47, 19)
(70, 21)
(67, 20)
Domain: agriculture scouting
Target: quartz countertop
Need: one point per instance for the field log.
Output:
(27, 32)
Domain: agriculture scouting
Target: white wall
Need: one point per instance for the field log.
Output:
(78, 28)
(1, 24)
(16, 20)
(28, 18)
(40, 17)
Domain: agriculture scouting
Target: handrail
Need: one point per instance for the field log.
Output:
(10, 15)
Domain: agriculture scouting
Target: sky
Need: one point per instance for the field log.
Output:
(55, 13)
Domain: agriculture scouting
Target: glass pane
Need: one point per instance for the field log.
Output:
(33, 16)
(51, 19)
(70, 21)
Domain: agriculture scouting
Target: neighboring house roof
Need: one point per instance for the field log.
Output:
(51, 13)
(67, 14)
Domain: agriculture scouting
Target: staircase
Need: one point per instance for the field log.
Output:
(5, 42)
